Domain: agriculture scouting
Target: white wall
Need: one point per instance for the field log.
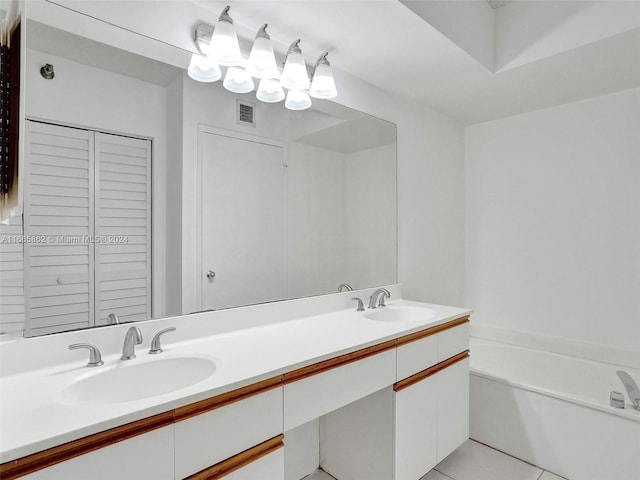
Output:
(317, 223)
(430, 192)
(89, 97)
(173, 266)
(553, 222)
(371, 214)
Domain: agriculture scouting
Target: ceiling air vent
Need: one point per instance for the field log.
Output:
(245, 114)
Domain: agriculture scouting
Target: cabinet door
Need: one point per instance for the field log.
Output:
(145, 457)
(58, 215)
(123, 226)
(453, 407)
(416, 436)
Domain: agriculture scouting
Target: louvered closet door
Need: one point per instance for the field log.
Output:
(123, 225)
(11, 277)
(58, 280)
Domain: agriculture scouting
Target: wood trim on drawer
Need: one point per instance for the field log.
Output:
(413, 379)
(38, 461)
(332, 363)
(240, 460)
(412, 337)
(197, 408)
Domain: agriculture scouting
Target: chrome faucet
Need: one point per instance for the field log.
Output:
(95, 359)
(360, 304)
(131, 339)
(345, 287)
(112, 319)
(631, 387)
(382, 293)
(155, 342)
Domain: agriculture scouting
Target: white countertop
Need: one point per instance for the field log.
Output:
(32, 418)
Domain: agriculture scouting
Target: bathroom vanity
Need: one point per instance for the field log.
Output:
(271, 391)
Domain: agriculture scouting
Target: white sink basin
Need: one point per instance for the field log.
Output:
(400, 314)
(129, 381)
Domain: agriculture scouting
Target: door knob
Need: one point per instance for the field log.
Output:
(211, 274)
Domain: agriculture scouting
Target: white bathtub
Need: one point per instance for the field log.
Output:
(553, 411)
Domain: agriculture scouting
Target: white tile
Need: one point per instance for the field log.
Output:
(435, 475)
(474, 461)
(550, 476)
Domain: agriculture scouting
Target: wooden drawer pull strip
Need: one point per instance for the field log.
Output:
(38, 461)
(413, 379)
(197, 408)
(432, 331)
(232, 464)
(332, 363)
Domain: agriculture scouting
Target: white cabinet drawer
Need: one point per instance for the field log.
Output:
(269, 467)
(453, 341)
(146, 457)
(416, 356)
(260, 462)
(208, 438)
(321, 393)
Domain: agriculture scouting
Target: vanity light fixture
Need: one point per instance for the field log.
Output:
(294, 74)
(270, 91)
(297, 100)
(322, 84)
(237, 80)
(262, 60)
(219, 47)
(203, 69)
(224, 47)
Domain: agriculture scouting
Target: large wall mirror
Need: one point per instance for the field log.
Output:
(147, 194)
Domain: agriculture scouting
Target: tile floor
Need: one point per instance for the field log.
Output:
(474, 461)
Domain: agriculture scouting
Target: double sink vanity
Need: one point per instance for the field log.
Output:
(271, 391)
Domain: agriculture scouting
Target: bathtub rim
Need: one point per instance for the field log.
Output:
(628, 412)
(559, 345)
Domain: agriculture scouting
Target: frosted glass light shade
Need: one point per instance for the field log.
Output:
(262, 61)
(294, 74)
(237, 80)
(323, 85)
(270, 91)
(297, 100)
(203, 69)
(224, 47)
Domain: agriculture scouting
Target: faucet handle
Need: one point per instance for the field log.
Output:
(95, 359)
(155, 342)
(345, 287)
(360, 304)
(383, 295)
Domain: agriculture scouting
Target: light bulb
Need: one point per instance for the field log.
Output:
(297, 100)
(203, 69)
(270, 91)
(323, 85)
(262, 61)
(294, 74)
(224, 47)
(237, 80)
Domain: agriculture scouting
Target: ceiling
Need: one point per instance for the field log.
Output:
(466, 58)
